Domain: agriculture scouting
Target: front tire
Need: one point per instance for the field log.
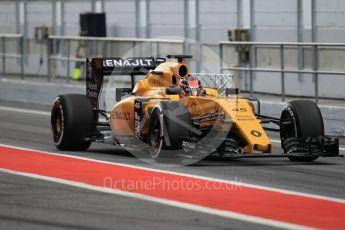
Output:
(301, 119)
(169, 122)
(72, 119)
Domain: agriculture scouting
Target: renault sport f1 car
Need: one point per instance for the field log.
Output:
(171, 115)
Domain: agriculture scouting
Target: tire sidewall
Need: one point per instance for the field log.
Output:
(57, 105)
(156, 113)
(290, 110)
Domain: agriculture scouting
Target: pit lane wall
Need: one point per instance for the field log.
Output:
(43, 93)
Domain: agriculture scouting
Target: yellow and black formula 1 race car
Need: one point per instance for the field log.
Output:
(171, 113)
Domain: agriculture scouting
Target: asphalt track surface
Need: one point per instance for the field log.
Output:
(35, 204)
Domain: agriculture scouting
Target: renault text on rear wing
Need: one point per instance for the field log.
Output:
(97, 68)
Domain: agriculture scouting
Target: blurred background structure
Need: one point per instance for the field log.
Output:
(298, 45)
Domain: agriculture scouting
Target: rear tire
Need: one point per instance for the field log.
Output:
(169, 121)
(301, 118)
(72, 119)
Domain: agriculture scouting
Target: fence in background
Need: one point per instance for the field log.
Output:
(60, 49)
(253, 46)
(17, 55)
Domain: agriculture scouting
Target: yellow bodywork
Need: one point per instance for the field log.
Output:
(233, 109)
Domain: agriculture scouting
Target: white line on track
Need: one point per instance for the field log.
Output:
(192, 207)
(275, 141)
(30, 111)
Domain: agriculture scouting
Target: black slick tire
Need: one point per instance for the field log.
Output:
(72, 119)
(301, 118)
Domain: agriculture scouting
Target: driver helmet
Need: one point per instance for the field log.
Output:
(190, 87)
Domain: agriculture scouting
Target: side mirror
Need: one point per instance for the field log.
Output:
(231, 91)
(120, 92)
(258, 104)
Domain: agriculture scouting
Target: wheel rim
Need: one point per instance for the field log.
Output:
(57, 123)
(156, 140)
(287, 130)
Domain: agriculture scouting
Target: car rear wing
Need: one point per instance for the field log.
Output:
(97, 68)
